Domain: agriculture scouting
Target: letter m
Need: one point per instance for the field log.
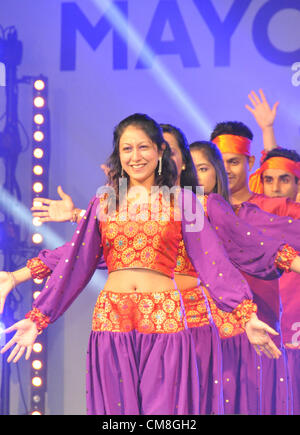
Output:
(74, 20)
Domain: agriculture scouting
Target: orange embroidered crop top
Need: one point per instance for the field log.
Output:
(183, 263)
(141, 238)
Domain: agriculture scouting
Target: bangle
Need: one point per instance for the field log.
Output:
(75, 214)
(243, 311)
(40, 319)
(285, 258)
(38, 268)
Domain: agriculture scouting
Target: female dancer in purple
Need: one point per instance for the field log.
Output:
(141, 357)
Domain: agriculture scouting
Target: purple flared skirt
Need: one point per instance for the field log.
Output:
(133, 373)
(276, 392)
(208, 350)
(209, 363)
(241, 376)
(253, 384)
(141, 357)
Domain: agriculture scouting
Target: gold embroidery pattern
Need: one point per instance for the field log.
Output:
(159, 312)
(285, 258)
(183, 263)
(147, 244)
(38, 268)
(40, 319)
(195, 308)
(232, 323)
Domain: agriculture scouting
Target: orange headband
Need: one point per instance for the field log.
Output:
(255, 181)
(229, 143)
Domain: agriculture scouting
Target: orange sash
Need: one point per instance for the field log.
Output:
(230, 143)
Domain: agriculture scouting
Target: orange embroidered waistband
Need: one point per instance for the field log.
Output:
(255, 181)
(196, 309)
(160, 312)
(230, 143)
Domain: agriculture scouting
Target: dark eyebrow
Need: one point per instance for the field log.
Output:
(233, 159)
(139, 143)
(281, 177)
(285, 175)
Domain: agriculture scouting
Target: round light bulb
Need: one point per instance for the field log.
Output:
(38, 187)
(38, 153)
(39, 102)
(39, 85)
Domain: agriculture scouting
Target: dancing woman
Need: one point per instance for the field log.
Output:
(186, 279)
(141, 357)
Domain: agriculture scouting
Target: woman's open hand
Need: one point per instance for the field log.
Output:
(50, 210)
(23, 340)
(258, 335)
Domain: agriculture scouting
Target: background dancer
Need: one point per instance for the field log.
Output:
(278, 177)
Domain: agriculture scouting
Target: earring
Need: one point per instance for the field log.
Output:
(183, 168)
(159, 165)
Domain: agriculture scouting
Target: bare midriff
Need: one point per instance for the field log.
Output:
(145, 281)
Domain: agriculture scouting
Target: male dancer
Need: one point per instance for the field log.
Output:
(234, 140)
(279, 176)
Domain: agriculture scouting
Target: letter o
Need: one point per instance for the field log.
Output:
(260, 32)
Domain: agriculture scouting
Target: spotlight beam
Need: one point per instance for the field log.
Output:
(164, 78)
(16, 209)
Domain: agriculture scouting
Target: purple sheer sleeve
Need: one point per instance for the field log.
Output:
(249, 249)
(51, 257)
(224, 282)
(77, 261)
(282, 228)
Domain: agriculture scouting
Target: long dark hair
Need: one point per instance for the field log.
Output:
(214, 156)
(153, 130)
(188, 176)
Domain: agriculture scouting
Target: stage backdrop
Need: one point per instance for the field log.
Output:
(191, 63)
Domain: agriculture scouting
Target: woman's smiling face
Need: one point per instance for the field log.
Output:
(138, 155)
